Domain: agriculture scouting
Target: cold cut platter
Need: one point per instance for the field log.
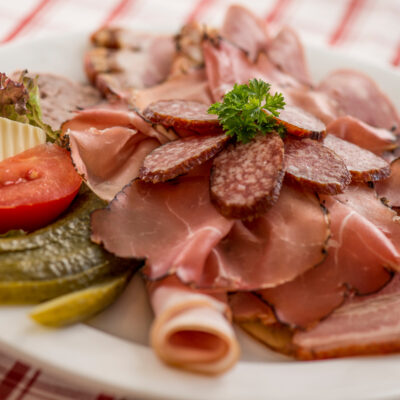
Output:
(299, 202)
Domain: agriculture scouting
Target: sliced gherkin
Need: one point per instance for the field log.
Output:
(81, 305)
(32, 292)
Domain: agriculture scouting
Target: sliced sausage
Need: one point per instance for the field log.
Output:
(314, 166)
(246, 178)
(300, 123)
(179, 157)
(363, 165)
(186, 117)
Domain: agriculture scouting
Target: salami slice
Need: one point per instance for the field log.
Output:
(246, 178)
(186, 117)
(302, 124)
(179, 157)
(363, 165)
(314, 166)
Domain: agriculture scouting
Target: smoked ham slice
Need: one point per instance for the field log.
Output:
(173, 225)
(388, 189)
(108, 147)
(358, 256)
(310, 164)
(270, 250)
(363, 165)
(366, 136)
(191, 329)
(359, 96)
(363, 325)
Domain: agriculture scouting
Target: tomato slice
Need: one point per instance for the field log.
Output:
(36, 186)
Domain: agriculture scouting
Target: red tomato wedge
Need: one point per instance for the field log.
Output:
(36, 186)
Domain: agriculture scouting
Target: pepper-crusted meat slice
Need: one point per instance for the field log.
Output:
(312, 165)
(301, 124)
(363, 165)
(179, 157)
(246, 178)
(183, 116)
(388, 189)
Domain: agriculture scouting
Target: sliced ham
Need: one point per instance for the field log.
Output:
(310, 164)
(363, 165)
(360, 133)
(227, 64)
(388, 189)
(270, 250)
(173, 225)
(363, 325)
(192, 330)
(359, 96)
(358, 256)
(192, 86)
(286, 51)
(108, 147)
(245, 30)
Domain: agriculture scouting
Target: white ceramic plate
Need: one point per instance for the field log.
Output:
(112, 353)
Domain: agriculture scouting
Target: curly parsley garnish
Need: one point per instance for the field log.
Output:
(242, 112)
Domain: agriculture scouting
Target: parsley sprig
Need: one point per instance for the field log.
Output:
(242, 111)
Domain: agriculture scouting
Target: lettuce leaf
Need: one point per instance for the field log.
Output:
(20, 101)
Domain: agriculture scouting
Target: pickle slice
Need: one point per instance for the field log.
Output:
(31, 292)
(81, 305)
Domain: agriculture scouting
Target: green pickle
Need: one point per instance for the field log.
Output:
(59, 258)
(81, 305)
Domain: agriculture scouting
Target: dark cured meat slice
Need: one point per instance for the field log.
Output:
(359, 96)
(179, 157)
(312, 165)
(246, 178)
(184, 116)
(272, 249)
(363, 165)
(388, 189)
(301, 124)
(363, 325)
(366, 136)
(358, 252)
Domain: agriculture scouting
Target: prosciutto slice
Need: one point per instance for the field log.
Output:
(286, 51)
(108, 147)
(363, 325)
(192, 330)
(245, 30)
(173, 225)
(272, 249)
(358, 254)
(359, 96)
(353, 130)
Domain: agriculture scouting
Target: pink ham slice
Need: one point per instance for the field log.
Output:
(227, 64)
(286, 51)
(366, 136)
(363, 165)
(173, 225)
(272, 249)
(108, 147)
(245, 30)
(358, 254)
(359, 96)
(192, 86)
(388, 189)
(363, 325)
(192, 330)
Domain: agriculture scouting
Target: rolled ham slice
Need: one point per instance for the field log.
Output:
(108, 147)
(192, 330)
(366, 136)
(363, 325)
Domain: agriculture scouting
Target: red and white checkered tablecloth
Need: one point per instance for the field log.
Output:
(364, 28)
